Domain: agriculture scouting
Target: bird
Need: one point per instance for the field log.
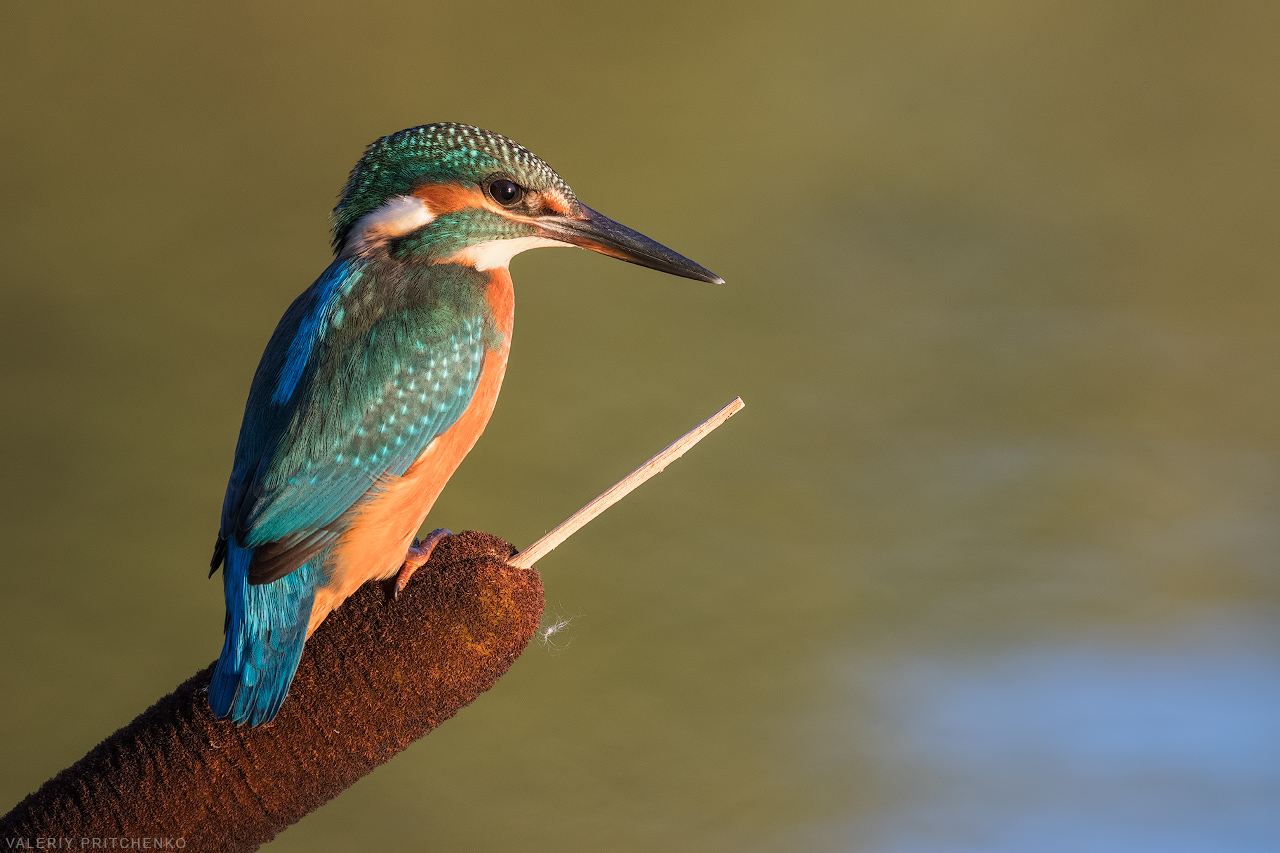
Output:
(377, 381)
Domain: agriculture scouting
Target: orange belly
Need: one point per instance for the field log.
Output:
(384, 524)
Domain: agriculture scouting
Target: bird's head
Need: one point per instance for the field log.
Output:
(453, 193)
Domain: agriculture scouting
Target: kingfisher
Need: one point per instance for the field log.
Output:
(377, 382)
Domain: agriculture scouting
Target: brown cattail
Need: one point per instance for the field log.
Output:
(377, 675)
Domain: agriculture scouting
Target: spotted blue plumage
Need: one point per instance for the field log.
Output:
(368, 365)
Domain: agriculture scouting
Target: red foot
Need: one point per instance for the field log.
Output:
(419, 553)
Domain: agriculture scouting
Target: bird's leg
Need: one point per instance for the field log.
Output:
(418, 554)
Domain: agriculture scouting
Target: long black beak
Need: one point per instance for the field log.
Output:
(599, 233)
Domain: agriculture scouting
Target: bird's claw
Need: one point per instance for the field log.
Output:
(417, 556)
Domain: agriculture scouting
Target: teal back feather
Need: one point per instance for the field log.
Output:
(391, 362)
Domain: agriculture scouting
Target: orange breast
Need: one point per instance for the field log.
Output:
(383, 526)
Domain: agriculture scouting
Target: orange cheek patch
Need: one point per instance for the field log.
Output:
(557, 202)
(448, 198)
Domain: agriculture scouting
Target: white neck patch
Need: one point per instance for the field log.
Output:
(395, 217)
(498, 253)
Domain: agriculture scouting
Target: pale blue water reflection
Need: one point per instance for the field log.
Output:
(1104, 746)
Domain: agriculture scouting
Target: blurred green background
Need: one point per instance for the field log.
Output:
(989, 560)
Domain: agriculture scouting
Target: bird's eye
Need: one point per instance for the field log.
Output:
(505, 193)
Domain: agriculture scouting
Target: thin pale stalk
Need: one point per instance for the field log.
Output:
(529, 556)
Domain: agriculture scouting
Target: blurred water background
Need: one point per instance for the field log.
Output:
(987, 564)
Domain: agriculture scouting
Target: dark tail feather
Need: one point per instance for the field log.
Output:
(219, 553)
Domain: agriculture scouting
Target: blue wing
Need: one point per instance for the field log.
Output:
(364, 370)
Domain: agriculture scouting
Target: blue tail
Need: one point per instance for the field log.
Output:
(265, 632)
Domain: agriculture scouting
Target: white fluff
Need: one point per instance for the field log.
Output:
(498, 253)
(395, 217)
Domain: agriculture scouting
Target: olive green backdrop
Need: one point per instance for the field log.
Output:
(989, 560)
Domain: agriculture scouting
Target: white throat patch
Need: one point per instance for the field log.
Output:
(395, 217)
(498, 253)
